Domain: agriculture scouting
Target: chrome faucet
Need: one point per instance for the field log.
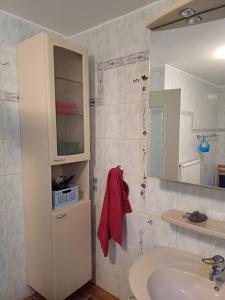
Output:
(217, 273)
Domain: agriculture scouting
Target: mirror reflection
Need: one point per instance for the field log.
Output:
(187, 104)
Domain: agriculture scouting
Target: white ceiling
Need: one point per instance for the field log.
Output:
(191, 49)
(69, 17)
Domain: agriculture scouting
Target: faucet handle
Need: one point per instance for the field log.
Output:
(215, 260)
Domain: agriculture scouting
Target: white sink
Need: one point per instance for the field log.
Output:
(168, 274)
(172, 284)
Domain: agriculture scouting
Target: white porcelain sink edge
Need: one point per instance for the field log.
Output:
(170, 260)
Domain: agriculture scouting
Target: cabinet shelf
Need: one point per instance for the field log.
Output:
(67, 79)
(211, 227)
(70, 206)
(70, 114)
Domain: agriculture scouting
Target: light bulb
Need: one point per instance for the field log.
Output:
(187, 12)
(194, 20)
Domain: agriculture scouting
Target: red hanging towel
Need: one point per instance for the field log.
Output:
(116, 205)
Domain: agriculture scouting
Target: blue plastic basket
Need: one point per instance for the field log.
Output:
(65, 197)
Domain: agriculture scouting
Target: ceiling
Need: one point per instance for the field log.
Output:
(69, 17)
(192, 49)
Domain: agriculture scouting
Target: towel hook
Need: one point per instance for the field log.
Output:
(121, 168)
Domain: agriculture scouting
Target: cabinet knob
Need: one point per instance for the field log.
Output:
(60, 216)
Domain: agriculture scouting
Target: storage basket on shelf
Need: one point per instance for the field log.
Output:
(65, 196)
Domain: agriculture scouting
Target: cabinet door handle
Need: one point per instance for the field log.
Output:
(60, 216)
(59, 159)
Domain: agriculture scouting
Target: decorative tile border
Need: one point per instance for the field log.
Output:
(100, 66)
(220, 130)
(6, 96)
(204, 130)
(96, 101)
(138, 57)
(100, 84)
(187, 113)
(200, 130)
(115, 63)
(126, 60)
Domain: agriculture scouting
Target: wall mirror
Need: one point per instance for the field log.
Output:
(187, 104)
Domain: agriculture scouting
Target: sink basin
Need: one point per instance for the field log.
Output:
(172, 284)
(169, 274)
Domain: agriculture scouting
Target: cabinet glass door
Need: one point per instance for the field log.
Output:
(68, 73)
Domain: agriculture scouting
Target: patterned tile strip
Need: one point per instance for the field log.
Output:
(6, 96)
(96, 102)
(203, 130)
(200, 130)
(126, 60)
(100, 84)
(115, 63)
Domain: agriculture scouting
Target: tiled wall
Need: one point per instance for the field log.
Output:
(12, 252)
(220, 153)
(202, 111)
(199, 104)
(117, 138)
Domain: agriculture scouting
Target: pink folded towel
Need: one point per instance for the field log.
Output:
(65, 107)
